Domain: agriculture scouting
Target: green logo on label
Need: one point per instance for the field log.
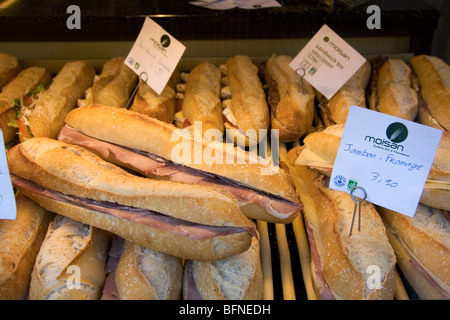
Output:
(351, 184)
(397, 132)
(165, 41)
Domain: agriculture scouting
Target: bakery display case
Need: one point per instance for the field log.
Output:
(101, 33)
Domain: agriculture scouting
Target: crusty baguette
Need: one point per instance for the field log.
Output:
(422, 245)
(145, 274)
(71, 262)
(158, 106)
(72, 170)
(21, 240)
(352, 93)
(27, 80)
(114, 85)
(248, 105)
(201, 101)
(132, 130)
(47, 117)
(9, 68)
(346, 259)
(393, 92)
(434, 80)
(235, 278)
(291, 99)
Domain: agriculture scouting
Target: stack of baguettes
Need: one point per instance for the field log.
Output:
(417, 91)
(139, 218)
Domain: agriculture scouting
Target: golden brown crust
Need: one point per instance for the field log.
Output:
(21, 240)
(71, 262)
(55, 103)
(201, 100)
(26, 81)
(133, 130)
(293, 115)
(144, 274)
(433, 74)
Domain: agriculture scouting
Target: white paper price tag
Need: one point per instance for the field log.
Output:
(156, 54)
(387, 156)
(7, 199)
(327, 62)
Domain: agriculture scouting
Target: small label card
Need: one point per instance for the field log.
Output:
(387, 156)
(155, 55)
(7, 199)
(327, 62)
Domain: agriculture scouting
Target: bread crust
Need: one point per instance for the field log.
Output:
(69, 243)
(144, 274)
(27, 80)
(21, 240)
(426, 235)
(136, 131)
(248, 100)
(67, 87)
(433, 74)
(293, 114)
(201, 100)
(235, 278)
(9, 68)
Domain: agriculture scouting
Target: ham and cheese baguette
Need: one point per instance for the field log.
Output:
(321, 148)
(246, 111)
(9, 68)
(71, 262)
(113, 86)
(20, 242)
(393, 89)
(159, 106)
(291, 99)
(342, 265)
(153, 148)
(201, 99)
(352, 93)
(238, 277)
(434, 91)
(195, 222)
(45, 117)
(145, 274)
(14, 93)
(422, 246)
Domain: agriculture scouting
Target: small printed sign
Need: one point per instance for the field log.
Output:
(155, 55)
(327, 62)
(7, 198)
(387, 156)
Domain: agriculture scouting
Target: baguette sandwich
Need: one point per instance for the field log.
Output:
(21, 240)
(434, 91)
(195, 222)
(291, 99)
(359, 266)
(143, 274)
(321, 148)
(246, 110)
(352, 93)
(422, 246)
(44, 115)
(16, 91)
(71, 262)
(393, 89)
(159, 106)
(9, 68)
(153, 148)
(235, 278)
(113, 86)
(201, 99)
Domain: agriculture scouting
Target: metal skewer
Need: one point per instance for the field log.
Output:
(357, 201)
